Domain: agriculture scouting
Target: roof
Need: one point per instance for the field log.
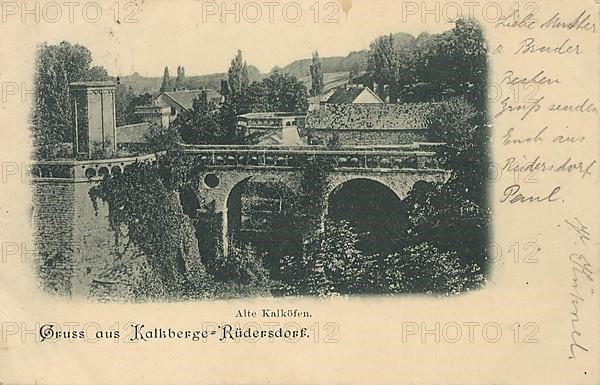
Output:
(99, 83)
(370, 116)
(185, 99)
(345, 95)
(271, 115)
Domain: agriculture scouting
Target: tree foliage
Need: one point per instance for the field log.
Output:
(208, 123)
(316, 75)
(237, 77)
(422, 268)
(284, 93)
(201, 125)
(433, 67)
(180, 81)
(159, 138)
(166, 85)
(333, 264)
(144, 207)
(454, 216)
(56, 67)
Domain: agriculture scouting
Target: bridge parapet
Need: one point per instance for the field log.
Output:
(389, 158)
(418, 156)
(82, 171)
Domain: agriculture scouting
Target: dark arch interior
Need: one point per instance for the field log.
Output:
(259, 212)
(374, 210)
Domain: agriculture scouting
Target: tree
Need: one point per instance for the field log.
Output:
(95, 73)
(383, 64)
(256, 98)
(234, 91)
(160, 138)
(454, 121)
(316, 75)
(201, 124)
(332, 264)
(166, 82)
(354, 73)
(454, 216)
(432, 67)
(237, 76)
(180, 81)
(124, 106)
(56, 67)
(284, 93)
(468, 52)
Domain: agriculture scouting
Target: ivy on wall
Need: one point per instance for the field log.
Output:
(143, 204)
(182, 253)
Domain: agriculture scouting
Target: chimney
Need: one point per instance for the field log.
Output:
(386, 93)
(94, 120)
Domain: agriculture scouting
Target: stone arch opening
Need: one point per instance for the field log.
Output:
(90, 173)
(115, 170)
(374, 210)
(261, 212)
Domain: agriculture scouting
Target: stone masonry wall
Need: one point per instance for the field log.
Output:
(53, 221)
(74, 246)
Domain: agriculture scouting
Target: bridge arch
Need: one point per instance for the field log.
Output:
(373, 209)
(232, 213)
(339, 183)
(260, 210)
(225, 197)
(399, 182)
(217, 189)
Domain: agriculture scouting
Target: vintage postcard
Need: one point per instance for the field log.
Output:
(300, 192)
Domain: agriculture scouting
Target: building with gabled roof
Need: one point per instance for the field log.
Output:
(180, 101)
(354, 95)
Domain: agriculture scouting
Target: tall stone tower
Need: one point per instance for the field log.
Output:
(94, 120)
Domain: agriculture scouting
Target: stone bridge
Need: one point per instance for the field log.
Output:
(393, 168)
(397, 168)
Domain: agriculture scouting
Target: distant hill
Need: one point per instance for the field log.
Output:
(301, 68)
(151, 85)
(335, 69)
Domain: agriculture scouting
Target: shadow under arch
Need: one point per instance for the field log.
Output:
(260, 211)
(374, 210)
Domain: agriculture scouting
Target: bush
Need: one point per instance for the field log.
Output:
(243, 265)
(424, 269)
(332, 264)
(159, 138)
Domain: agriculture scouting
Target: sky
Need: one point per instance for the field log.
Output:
(127, 37)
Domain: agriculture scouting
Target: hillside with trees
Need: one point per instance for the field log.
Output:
(354, 62)
(152, 85)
